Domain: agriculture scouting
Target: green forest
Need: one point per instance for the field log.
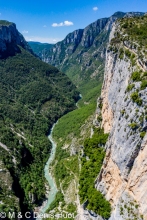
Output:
(33, 95)
(40, 49)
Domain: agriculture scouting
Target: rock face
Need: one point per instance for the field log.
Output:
(83, 38)
(81, 54)
(10, 40)
(123, 177)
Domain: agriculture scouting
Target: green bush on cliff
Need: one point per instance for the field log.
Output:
(133, 125)
(98, 203)
(130, 87)
(128, 53)
(143, 84)
(136, 76)
(91, 165)
(121, 53)
(144, 74)
(135, 28)
(135, 98)
(142, 134)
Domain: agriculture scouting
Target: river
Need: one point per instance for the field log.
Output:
(48, 176)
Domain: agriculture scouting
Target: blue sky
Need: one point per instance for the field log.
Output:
(51, 20)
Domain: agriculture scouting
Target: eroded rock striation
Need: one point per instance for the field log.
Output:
(81, 55)
(123, 177)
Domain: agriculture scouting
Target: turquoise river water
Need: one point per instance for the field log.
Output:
(48, 176)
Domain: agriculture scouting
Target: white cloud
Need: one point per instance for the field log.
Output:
(57, 25)
(42, 39)
(68, 23)
(44, 26)
(25, 32)
(65, 23)
(95, 8)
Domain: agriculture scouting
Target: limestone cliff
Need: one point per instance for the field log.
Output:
(81, 55)
(123, 177)
(11, 39)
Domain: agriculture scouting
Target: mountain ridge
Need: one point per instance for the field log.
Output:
(40, 49)
(81, 55)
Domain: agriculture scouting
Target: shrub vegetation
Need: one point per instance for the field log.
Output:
(91, 165)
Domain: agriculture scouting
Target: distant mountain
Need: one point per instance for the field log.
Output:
(81, 55)
(40, 49)
(33, 95)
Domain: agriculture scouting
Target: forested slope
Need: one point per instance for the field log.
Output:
(40, 49)
(33, 95)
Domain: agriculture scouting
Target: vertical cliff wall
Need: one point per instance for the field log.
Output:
(123, 177)
(11, 39)
(81, 55)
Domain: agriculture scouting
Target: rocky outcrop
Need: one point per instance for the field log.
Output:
(81, 39)
(10, 40)
(81, 54)
(123, 177)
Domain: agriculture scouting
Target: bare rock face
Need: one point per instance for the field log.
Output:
(10, 40)
(83, 49)
(123, 177)
(82, 45)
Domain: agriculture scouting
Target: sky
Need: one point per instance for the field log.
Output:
(49, 21)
